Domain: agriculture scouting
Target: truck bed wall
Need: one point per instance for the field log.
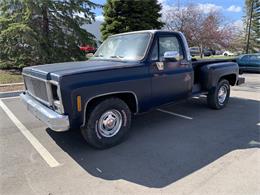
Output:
(198, 64)
(208, 73)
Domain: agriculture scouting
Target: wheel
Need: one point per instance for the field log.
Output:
(107, 123)
(219, 96)
(225, 54)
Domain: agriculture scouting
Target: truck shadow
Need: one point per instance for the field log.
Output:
(162, 149)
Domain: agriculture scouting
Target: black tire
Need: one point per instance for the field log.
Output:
(213, 96)
(94, 135)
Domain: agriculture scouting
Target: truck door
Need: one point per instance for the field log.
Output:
(172, 73)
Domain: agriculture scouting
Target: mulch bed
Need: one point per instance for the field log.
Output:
(14, 87)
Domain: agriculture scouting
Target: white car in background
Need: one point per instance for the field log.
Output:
(228, 53)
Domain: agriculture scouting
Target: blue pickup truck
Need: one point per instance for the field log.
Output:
(130, 73)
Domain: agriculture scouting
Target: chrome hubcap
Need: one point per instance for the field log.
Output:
(110, 123)
(222, 94)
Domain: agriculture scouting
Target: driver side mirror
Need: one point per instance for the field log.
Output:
(171, 55)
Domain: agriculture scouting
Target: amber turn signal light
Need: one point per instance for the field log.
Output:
(79, 103)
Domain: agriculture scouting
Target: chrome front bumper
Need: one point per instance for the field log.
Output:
(55, 121)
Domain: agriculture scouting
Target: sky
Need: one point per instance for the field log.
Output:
(231, 9)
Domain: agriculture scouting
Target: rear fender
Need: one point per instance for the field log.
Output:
(212, 73)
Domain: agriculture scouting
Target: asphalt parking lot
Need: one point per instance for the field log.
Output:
(185, 148)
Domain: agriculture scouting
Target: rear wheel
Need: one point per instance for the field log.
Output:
(219, 96)
(107, 123)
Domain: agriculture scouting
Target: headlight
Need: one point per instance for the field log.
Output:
(54, 90)
(57, 105)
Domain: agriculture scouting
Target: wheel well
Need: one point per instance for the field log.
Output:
(231, 78)
(129, 98)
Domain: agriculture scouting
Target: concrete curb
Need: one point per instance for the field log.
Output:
(7, 94)
(10, 84)
(10, 94)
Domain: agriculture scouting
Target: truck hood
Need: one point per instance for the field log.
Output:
(56, 71)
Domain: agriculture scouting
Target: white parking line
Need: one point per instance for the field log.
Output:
(7, 98)
(51, 161)
(175, 114)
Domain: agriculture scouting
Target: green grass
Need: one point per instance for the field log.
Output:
(10, 77)
(215, 57)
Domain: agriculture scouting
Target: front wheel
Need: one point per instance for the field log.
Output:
(219, 96)
(107, 123)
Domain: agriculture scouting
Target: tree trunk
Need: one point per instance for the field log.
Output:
(45, 32)
(45, 21)
(201, 51)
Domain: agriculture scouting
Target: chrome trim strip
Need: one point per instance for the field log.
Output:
(55, 121)
(186, 47)
(49, 93)
(110, 93)
(34, 77)
(59, 95)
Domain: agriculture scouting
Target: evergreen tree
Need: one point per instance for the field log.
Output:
(252, 29)
(124, 15)
(43, 31)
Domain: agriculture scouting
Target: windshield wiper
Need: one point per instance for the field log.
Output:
(99, 55)
(117, 56)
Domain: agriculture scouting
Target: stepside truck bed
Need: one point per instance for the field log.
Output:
(198, 64)
(201, 68)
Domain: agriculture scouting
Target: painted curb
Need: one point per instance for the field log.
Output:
(10, 94)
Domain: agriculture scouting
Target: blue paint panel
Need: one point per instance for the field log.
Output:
(151, 86)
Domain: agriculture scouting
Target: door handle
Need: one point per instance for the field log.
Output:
(184, 63)
(159, 74)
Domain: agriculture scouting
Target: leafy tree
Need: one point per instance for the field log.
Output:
(124, 15)
(43, 31)
(252, 26)
(203, 30)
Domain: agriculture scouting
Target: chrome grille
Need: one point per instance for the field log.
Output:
(36, 88)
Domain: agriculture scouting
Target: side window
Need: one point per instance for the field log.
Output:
(245, 58)
(169, 44)
(253, 58)
(154, 55)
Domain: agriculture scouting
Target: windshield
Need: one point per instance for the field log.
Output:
(125, 47)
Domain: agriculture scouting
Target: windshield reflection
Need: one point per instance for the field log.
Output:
(124, 47)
